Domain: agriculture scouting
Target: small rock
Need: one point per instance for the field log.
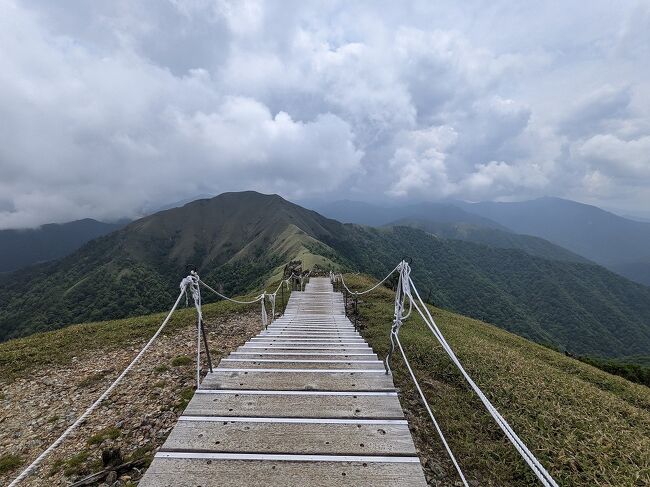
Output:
(111, 477)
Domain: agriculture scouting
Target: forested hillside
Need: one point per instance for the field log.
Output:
(238, 240)
(618, 243)
(234, 240)
(492, 237)
(582, 308)
(20, 248)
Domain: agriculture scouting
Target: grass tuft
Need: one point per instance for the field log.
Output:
(9, 462)
(181, 361)
(109, 433)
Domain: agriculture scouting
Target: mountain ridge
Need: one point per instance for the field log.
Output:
(23, 247)
(618, 243)
(237, 241)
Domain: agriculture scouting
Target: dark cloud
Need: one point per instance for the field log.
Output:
(111, 107)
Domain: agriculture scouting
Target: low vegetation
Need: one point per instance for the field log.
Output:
(54, 348)
(181, 361)
(9, 462)
(110, 433)
(589, 428)
(632, 371)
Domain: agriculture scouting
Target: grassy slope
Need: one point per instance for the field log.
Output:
(22, 355)
(587, 427)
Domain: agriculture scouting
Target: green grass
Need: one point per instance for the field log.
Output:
(185, 397)
(587, 427)
(59, 347)
(110, 433)
(181, 361)
(9, 462)
(76, 465)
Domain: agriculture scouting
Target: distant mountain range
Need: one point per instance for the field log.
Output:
(21, 248)
(620, 244)
(238, 240)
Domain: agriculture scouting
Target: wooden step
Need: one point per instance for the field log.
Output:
(303, 364)
(322, 436)
(331, 381)
(178, 470)
(305, 404)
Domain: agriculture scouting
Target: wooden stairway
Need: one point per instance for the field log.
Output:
(304, 403)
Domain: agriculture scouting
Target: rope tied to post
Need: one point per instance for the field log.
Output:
(265, 318)
(403, 290)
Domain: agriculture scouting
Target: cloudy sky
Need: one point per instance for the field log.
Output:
(110, 108)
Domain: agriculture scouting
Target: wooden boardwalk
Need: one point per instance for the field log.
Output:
(304, 403)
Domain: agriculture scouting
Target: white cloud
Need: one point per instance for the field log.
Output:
(625, 159)
(161, 100)
(420, 163)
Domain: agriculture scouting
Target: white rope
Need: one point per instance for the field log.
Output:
(433, 418)
(272, 300)
(359, 293)
(34, 465)
(402, 292)
(258, 298)
(193, 285)
(537, 468)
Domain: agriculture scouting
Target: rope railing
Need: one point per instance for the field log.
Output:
(407, 294)
(37, 462)
(192, 284)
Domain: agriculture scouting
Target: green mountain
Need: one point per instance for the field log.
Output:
(582, 308)
(492, 237)
(239, 240)
(618, 243)
(24, 247)
(232, 240)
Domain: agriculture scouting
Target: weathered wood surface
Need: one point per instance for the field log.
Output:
(301, 381)
(305, 403)
(303, 364)
(305, 355)
(297, 438)
(293, 406)
(171, 472)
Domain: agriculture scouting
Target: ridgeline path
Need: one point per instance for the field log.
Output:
(305, 403)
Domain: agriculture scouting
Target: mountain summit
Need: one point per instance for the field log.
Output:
(238, 241)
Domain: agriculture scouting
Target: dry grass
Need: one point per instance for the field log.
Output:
(589, 428)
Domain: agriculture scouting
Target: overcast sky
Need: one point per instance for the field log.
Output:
(109, 108)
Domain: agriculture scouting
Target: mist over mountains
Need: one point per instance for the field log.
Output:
(620, 244)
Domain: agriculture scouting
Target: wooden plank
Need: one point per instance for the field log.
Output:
(298, 381)
(172, 472)
(307, 406)
(305, 348)
(295, 438)
(302, 364)
(303, 356)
